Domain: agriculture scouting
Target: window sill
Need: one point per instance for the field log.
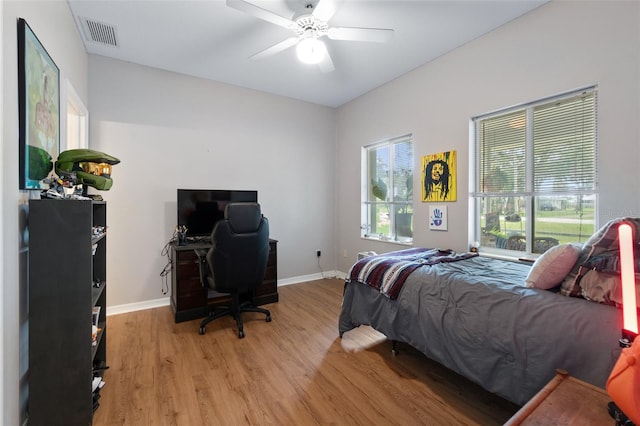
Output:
(380, 240)
(520, 259)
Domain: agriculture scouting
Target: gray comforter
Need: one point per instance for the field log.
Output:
(476, 317)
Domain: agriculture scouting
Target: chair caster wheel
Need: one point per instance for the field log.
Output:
(268, 318)
(241, 334)
(202, 330)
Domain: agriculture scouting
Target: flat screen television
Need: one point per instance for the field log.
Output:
(200, 209)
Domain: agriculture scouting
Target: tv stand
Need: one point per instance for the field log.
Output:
(189, 299)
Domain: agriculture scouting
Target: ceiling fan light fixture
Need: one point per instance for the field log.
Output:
(311, 50)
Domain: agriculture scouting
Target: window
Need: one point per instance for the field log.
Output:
(535, 180)
(387, 190)
(76, 125)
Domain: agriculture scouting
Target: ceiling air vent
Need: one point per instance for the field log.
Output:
(99, 32)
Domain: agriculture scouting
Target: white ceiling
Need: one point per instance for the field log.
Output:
(208, 39)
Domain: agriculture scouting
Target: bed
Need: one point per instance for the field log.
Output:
(475, 316)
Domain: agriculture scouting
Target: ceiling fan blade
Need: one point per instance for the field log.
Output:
(324, 10)
(261, 13)
(276, 48)
(377, 35)
(326, 65)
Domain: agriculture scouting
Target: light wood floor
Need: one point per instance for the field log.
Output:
(294, 370)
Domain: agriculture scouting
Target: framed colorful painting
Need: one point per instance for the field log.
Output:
(39, 109)
(439, 177)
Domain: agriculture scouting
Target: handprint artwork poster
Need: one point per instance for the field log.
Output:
(438, 217)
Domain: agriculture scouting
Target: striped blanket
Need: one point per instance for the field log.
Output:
(387, 272)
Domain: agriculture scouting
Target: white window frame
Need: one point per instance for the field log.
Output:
(529, 194)
(75, 122)
(392, 203)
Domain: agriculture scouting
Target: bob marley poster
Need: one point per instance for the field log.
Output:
(439, 177)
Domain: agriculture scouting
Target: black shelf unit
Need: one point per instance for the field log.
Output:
(67, 260)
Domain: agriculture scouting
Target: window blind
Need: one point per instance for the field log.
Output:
(564, 149)
(558, 134)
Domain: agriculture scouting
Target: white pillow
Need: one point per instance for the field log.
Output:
(550, 269)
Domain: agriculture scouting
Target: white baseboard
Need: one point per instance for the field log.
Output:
(137, 306)
(310, 277)
(164, 301)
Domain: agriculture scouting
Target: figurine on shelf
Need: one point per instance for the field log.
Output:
(91, 168)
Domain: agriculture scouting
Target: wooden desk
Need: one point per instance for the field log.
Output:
(565, 401)
(189, 299)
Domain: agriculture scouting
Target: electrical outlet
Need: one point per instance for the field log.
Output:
(318, 253)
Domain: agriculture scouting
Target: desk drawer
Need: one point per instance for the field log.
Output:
(188, 270)
(267, 287)
(189, 284)
(191, 299)
(187, 265)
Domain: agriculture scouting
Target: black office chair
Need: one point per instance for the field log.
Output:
(236, 262)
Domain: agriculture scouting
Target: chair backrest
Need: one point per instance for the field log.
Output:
(240, 249)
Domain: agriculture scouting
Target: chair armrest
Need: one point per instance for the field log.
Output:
(202, 264)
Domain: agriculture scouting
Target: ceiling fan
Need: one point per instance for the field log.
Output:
(308, 29)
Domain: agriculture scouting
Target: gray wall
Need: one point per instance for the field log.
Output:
(172, 131)
(557, 47)
(53, 24)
